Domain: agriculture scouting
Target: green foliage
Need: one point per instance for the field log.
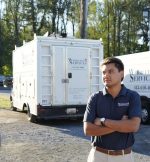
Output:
(7, 70)
(5, 102)
(116, 22)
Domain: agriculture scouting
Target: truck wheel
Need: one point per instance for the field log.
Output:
(32, 118)
(145, 114)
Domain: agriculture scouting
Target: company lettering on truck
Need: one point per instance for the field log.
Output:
(140, 76)
(78, 64)
(144, 87)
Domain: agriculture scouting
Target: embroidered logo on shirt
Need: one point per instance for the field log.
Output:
(123, 104)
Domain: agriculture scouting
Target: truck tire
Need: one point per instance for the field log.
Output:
(145, 114)
(32, 118)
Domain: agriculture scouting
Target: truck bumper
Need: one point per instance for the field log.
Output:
(57, 112)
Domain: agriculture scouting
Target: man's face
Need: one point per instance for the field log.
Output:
(111, 75)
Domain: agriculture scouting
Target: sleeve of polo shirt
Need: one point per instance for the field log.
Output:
(90, 112)
(135, 106)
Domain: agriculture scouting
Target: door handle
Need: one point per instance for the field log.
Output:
(65, 80)
(69, 75)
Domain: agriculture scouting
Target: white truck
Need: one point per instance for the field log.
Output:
(137, 77)
(53, 77)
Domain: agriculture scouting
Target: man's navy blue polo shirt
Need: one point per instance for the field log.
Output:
(102, 104)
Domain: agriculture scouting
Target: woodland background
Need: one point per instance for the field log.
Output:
(119, 23)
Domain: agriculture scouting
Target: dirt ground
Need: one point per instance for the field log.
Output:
(53, 141)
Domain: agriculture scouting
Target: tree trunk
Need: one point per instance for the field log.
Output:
(33, 16)
(108, 40)
(128, 36)
(118, 33)
(114, 35)
(83, 19)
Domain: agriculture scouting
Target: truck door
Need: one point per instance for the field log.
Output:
(59, 75)
(71, 75)
(77, 73)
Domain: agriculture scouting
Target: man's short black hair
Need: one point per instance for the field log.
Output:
(113, 60)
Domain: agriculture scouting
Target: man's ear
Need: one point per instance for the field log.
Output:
(122, 75)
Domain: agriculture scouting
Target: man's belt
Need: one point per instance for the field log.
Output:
(114, 152)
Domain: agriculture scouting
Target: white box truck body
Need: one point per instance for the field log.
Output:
(53, 77)
(137, 78)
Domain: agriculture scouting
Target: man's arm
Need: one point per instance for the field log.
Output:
(95, 130)
(124, 125)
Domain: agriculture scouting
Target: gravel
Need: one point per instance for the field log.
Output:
(53, 141)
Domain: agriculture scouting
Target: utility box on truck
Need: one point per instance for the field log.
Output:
(137, 78)
(53, 77)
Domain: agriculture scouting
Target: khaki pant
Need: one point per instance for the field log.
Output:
(96, 156)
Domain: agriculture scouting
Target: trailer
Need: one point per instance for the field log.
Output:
(137, 78)
(53, 77)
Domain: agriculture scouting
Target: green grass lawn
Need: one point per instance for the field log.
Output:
(5, 102)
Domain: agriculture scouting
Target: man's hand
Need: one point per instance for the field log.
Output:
(92, 129)
(124, 125)
(97, 122)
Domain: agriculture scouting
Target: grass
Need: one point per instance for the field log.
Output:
(4, 102)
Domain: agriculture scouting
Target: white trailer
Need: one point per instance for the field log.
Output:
(53, 77)
(137, 77)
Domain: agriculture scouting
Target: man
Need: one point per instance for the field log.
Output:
(112, 116)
